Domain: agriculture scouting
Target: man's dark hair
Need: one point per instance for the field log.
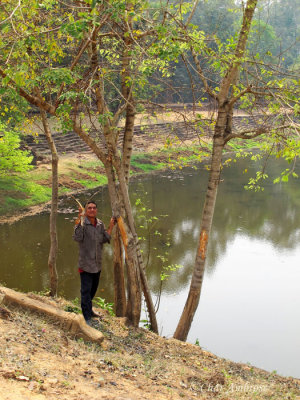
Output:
(90, 202)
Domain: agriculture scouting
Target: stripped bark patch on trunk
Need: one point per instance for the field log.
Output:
(203, 244)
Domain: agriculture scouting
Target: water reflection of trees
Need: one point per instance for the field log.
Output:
(270, 216)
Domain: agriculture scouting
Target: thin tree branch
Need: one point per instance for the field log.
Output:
(196, 2)
(34, 100)
(12, 13)
(260, 131)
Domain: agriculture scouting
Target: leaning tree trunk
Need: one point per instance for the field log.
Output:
(54, 205)
(223, 128)
(192, 301)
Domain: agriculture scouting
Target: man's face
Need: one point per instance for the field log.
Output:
(91, 210)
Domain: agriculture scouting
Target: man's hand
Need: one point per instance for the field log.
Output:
(112, 223)
(81, 213)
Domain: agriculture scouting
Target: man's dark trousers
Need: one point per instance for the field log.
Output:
(89, 286)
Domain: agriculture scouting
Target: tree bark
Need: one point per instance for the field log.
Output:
(119, 277)
(192, 301)
(74, 323)
(127, 141)
(134, 303)
(128, 209)
(223, 129)
(54, 205)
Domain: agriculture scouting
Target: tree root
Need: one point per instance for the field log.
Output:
(74, 323)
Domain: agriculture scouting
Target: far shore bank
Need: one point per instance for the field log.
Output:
(161, 142)
(78, 189)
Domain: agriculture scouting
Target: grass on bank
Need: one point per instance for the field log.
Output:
(18, 192)
(21, 191)
(144, 162)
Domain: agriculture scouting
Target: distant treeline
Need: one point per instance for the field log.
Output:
(275, 37)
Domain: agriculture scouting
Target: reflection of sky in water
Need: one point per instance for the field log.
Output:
(249, 307)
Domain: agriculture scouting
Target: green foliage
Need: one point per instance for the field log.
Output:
(166, 270)
(255, 182)
(13, 108)
(73, 309)
(21, 192)
(100, 302)
(146, 324)
(146, 220)
(147, 225)
(97, 180)
(12, 159)
(283, 17)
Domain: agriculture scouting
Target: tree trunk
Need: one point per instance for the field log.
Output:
(54, 205)
(223, 129)
(128, 209)
(127, 141)
(134, 302)
(126, 87)
(146, 290)
(119, 277)
(192, 301)
(119, 199)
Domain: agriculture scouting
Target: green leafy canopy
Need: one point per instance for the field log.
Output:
(12, 159)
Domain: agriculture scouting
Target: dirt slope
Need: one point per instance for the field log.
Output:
(39, 361)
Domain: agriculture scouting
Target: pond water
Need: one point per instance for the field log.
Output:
(250, 300)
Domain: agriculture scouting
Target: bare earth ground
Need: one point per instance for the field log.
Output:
(40, 361)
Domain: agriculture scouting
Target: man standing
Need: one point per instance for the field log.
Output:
(91, 235)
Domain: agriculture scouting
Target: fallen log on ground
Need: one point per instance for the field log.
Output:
(74, 323)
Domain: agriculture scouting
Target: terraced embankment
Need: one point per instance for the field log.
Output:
(146, 137)
(156, 146)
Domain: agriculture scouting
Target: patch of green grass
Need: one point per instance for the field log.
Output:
(91, 164)
(243, 145)
(21, 192)
(92, 183)
(39, 175)
(182, 149)
(145, 163)
(149, 167)
(72, 309)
